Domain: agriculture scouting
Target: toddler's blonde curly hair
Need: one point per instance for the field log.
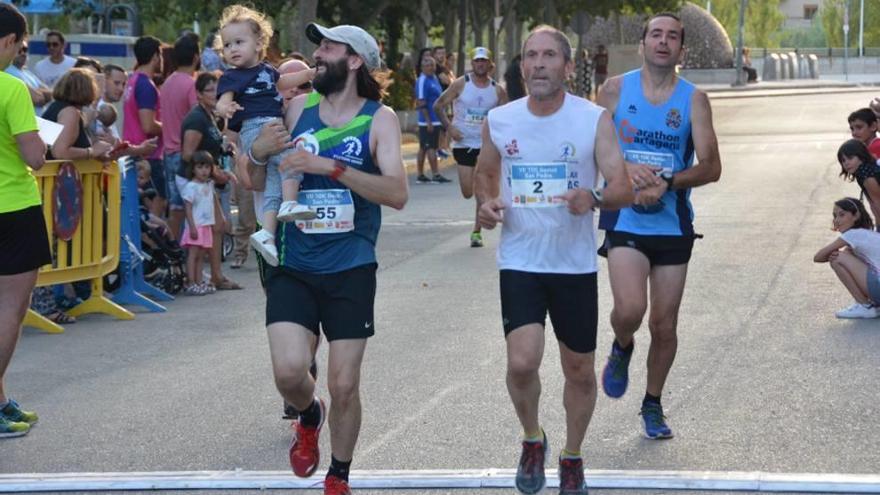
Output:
(259, 24)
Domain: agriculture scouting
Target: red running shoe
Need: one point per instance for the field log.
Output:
(304, 453)
(336, 486)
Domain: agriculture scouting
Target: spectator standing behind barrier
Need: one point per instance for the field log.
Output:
(211, 60)
(427, 91)
(75, 90)
(51, 68)
(513, 80)
(141, 116)
(178, 97)
(200, 132)
(201, 207)
(23, 238)
(40, 93)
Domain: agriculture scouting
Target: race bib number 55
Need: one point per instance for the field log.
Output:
(537, 185)
(334, 209)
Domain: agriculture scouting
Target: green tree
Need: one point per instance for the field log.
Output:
(763, 21)
(832, 22)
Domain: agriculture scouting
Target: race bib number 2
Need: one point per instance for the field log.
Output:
(334, 209)
(537, 185)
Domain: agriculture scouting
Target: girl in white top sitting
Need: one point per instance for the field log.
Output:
(855, 258)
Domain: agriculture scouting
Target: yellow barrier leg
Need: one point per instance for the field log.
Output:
(100, 304)
(35, 320)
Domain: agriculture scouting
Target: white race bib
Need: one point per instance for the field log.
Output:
(335, 210)
(475, 116)
(666, 161)
(537, 185)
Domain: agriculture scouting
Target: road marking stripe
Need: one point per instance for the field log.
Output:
(442, 479)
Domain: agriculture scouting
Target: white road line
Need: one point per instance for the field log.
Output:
(442, 479)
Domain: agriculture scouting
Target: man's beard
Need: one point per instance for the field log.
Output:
(333, 79)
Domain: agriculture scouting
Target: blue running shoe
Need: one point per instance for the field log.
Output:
(655, 422)
(530, 472)
(615, 376)
(13, 412)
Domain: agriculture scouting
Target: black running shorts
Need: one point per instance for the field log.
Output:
(24, 241)
(340, 303)
(659, 249)
(466, 157)
(571, 300)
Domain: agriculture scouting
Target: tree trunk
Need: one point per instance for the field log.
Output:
(551, 15)
(422, 23)
(306, 12)
(462, 33)
(476, 24)
(449, 29)
(510, 21)
(493, 31)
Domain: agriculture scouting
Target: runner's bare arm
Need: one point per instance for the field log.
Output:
(446, 98)
(388, 188)
(502, 94)
(488, 173)
(608, 96)
(486, 181)
(705, 145)
(618, 191)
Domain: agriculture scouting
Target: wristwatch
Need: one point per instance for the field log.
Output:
(666, 175)
(597, 197)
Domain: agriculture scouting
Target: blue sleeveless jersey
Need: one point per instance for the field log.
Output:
(347, 246)
(655, 135)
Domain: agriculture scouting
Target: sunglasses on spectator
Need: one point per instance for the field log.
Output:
(305, 86)
(53, 44)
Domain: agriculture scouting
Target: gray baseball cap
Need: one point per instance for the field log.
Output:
(359, 40)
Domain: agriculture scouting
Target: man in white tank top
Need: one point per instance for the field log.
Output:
(471, 96)
(536, 175)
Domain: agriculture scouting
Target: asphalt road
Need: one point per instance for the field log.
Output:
(766, 378)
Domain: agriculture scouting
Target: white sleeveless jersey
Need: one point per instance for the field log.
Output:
(541, 158)
(469, 111)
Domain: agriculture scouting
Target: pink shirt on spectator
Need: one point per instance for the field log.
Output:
(178, 97)
(140, 93)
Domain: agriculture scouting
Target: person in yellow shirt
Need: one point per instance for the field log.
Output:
(24, 243)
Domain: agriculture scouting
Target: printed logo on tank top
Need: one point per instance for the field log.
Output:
(673, 118)
(307, 141)
(351, 150)
(630, 134)
(512, 150)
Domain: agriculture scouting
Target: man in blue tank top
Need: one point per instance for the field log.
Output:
(662, 121)
(348, 146)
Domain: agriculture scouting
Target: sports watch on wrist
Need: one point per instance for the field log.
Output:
(666, 175)
(597, 197)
